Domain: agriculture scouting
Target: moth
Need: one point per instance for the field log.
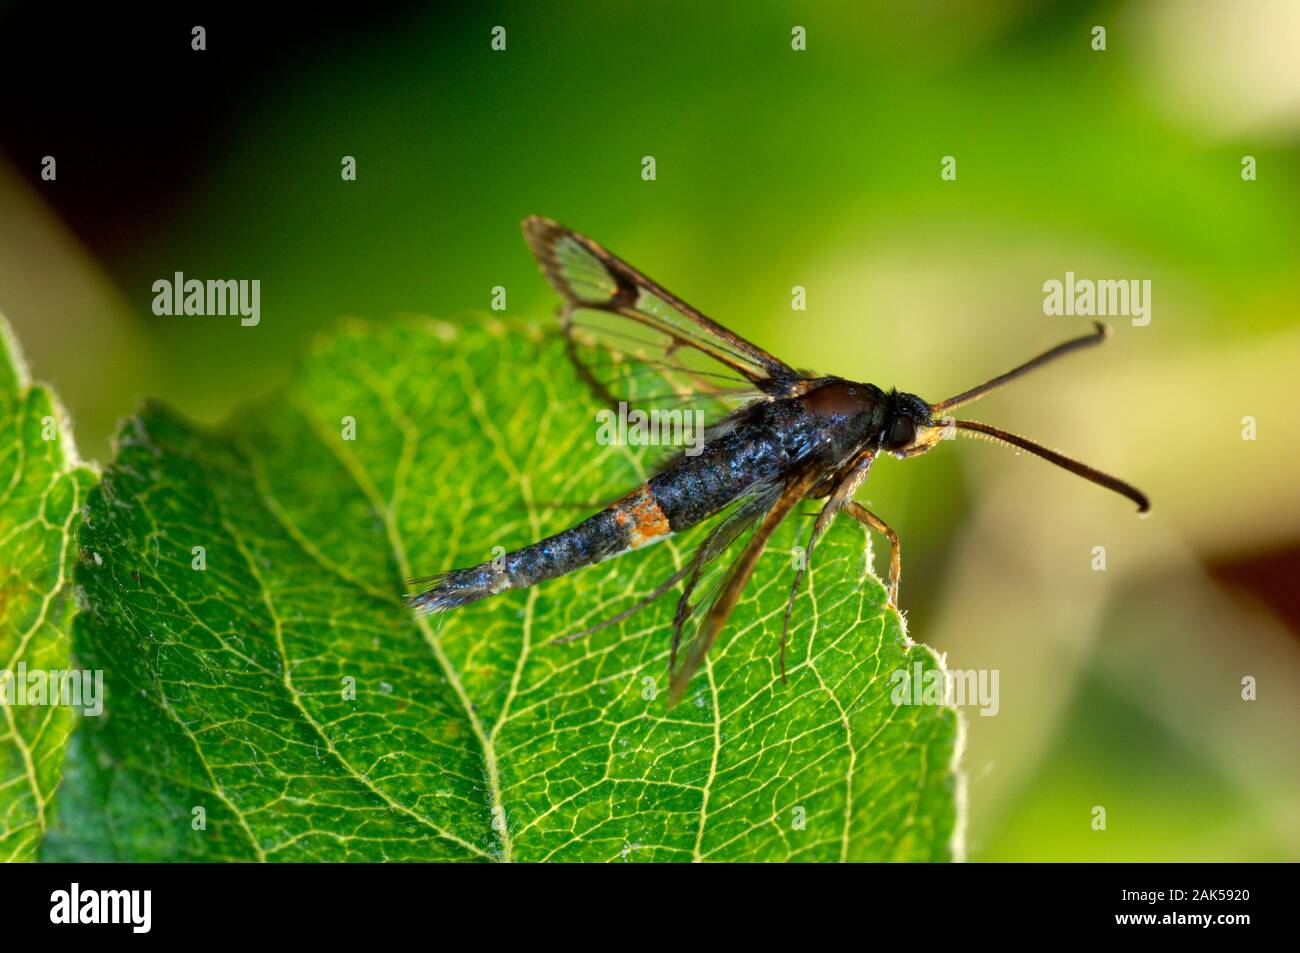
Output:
(776, 437)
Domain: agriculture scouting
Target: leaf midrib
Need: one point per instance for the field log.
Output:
(397, 548)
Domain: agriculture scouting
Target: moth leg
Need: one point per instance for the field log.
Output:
(840, 494)
(868, 518)
(736, 579)
(719, 538)
(824, 518)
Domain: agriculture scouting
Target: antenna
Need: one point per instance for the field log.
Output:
(1060, 459)
(975, 393)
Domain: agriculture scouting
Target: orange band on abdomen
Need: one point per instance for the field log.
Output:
(641, 514)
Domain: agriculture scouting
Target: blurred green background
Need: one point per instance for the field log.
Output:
(821, 168)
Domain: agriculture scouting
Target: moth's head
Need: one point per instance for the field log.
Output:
(909, 429)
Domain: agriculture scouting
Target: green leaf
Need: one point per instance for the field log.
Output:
(42, 487)
(231, 734)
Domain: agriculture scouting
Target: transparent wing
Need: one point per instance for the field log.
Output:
(633, 341)
(739, 517)
(723, 587)
(712, 580)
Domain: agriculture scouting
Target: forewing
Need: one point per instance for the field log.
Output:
(739, 516)
(634, 341)
(702, 572)
(727, 587)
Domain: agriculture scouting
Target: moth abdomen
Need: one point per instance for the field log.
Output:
(634, 521)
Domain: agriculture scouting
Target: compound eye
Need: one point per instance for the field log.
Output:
(901, 432)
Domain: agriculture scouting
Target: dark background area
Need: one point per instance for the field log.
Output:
(133, 115)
